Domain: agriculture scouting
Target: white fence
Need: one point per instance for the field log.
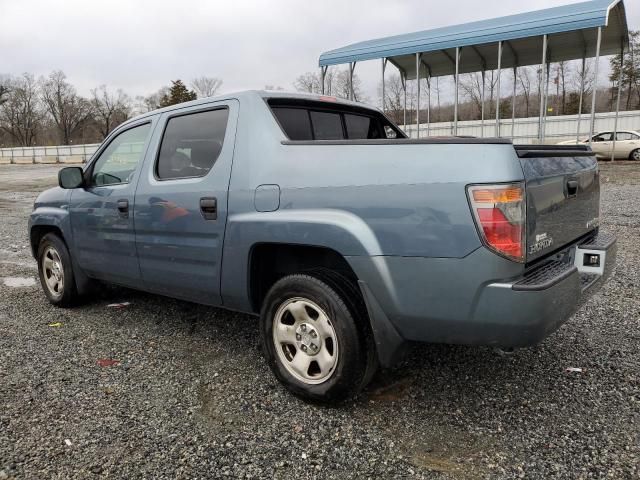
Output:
(57, 154)
(525, 130)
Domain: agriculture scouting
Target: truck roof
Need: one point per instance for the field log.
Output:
(254, 93)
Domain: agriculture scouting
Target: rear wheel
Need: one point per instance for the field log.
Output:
(56, 272)
(635, 155)
(317, 346)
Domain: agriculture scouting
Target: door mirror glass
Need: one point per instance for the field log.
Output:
(70, 177)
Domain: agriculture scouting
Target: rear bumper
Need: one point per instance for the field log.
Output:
(524, 311)
(481, 299)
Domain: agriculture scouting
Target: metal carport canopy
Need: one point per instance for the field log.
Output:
(571, 30)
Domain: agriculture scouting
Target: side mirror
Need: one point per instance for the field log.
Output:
(70, 177)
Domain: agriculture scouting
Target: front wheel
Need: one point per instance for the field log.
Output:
(316, 345)
(56, 272)
(635, 155)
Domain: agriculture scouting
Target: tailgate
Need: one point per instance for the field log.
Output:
(563, 195)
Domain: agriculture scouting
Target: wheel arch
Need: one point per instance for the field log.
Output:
(37, 232)
(271, 261)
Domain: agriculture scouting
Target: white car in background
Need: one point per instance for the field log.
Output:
(627, 144)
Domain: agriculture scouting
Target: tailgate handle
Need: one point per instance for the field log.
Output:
(572, 188)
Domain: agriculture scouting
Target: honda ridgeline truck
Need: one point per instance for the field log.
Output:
(347, 238)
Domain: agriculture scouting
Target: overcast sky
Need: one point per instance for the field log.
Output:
(140, 45)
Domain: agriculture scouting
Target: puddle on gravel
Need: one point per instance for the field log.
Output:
(18, 282)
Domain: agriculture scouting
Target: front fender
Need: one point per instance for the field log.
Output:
(56, 217)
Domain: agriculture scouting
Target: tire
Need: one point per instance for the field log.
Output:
(329, 335)
(56, 272)
(635, 155)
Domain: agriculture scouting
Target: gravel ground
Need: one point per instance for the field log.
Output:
(190, 395)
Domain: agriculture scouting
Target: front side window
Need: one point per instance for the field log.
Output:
(191, 144)
(119, 160)
(603, 137)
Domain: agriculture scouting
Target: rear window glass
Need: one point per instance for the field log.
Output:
(326, 125)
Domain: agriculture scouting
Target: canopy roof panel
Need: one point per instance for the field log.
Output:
(572, 31)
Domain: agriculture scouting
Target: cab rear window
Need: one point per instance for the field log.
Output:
(309, 120)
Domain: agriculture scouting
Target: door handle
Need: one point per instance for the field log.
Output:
(123, 207)
(572, 188)
(209, 208)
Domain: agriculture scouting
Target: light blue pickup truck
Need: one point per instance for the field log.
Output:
(346, 238)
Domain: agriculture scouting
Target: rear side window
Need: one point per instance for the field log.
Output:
(360, 126)
(295, 122)
(326, 125)
(191, 144)
(314, 120)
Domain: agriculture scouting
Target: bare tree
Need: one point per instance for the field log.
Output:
(394, 98)
(150, 102)
(340, 86)
(111, 109)
(525, 78)
(308, 82)
(336, 84)
(4, 89)
(562, 71)
(68, 110)
(471, 86)
(21, 112)
(206, 86)
(583, 79)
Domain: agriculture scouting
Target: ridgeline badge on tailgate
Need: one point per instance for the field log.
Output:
(542, 241)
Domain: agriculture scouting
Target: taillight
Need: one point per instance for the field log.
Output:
(499, 211)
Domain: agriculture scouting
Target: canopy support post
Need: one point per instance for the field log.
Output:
(352, 67)
(498, 90)
(482, 106)
(592, 123)
(323, 75)
(403, 80)
(615, 123)
(513, 102)
(540, 90)
(582, 75)
(546, 103)
(455, 105)
(384, 66)
(428, 105)
(418, 95)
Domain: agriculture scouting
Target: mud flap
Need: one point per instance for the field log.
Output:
(389, 344)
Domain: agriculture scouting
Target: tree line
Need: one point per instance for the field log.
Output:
(49, 110)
